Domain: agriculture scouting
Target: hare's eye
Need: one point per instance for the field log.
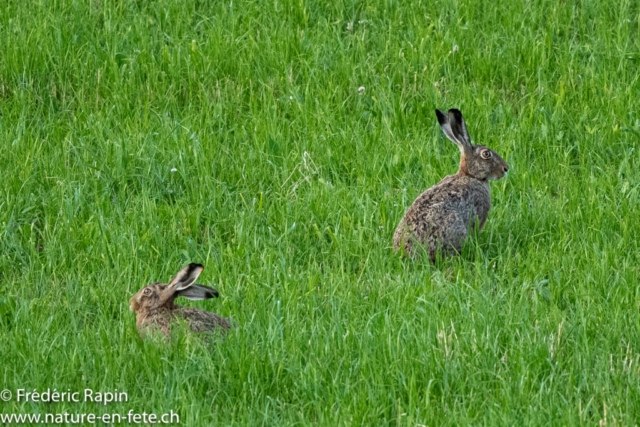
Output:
(147, 291)
(486, 154)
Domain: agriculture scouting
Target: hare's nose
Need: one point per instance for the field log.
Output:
(506, 169)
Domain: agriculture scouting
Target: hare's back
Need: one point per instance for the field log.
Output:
(202, 321)
(452, 199)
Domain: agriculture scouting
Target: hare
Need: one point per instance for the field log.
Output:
(443, 214)
(155, 308)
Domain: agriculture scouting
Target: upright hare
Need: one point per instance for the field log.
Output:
(443, 214)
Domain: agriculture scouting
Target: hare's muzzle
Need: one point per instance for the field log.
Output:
(133, 304)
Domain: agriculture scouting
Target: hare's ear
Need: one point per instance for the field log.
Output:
(454, 128)
(198, 292)
(446, 127)
(459, 128)
(186, 277)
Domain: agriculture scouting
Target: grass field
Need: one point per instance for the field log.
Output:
(300, 132)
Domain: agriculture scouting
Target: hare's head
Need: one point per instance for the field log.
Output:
(157, 295)
(476, 161)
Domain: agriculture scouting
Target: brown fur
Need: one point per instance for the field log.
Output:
(442, 216)
(156, 310)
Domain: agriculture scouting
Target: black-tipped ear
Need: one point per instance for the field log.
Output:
(459, 128)
(186, 277)
(443, 119)
(198, 292)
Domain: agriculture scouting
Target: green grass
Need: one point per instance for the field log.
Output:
(289, 185)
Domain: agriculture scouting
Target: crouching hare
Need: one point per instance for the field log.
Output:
(442, 216)
(155, 308)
